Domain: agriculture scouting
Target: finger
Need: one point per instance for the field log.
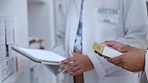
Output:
(63, 68)
(121, 65)
(106, 57)
(66, 61)
(71, 70)
(79, 52)
(75, 54)
(76, 72)
(67, 66)
(110, 43)
(116, 60)
(124, 49)
(100, 54)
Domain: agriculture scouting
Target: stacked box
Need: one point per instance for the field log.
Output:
(6, 67)
(7, 64)
(2, 30)
(2, 37)
(3, 52)
(9, 23)
(10, 40)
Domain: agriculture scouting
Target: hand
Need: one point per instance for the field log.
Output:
(114, 44)
(76, 65)
(133, 60)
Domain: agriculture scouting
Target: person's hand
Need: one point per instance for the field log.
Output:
(132, 60)
(76, 65)
(114, 44)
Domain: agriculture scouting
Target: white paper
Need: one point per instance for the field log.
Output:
(45, 57)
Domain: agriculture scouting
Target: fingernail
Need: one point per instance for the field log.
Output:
(64, 73)
(59, 70)
(60, 63)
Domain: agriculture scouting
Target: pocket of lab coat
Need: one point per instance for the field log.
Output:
(115, 4)
(115, 80)
(107, 31)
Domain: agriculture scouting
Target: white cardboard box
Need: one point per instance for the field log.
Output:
(10, 53)
(9, 22)
(6, 67)
(106, 50)
(2, 30)
(3, 51)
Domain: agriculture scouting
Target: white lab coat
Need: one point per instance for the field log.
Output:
(131, 29)
(145, 76)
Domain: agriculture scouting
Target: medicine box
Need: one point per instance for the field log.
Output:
(6, 67)
(3, 50)
(2, 30)
(106, 50)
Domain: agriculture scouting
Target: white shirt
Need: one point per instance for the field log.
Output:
(78, 40)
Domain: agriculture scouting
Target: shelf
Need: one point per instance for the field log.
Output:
(13, 77)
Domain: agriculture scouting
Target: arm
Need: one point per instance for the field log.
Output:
(135, 28)
(133, 58)
(135, 20)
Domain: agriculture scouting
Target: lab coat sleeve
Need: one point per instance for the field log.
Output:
(60, 29)
(135, 23)
(146, 64)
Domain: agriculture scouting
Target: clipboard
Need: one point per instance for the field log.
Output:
(40, 56)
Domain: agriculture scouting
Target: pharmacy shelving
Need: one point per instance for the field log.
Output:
(13, 77)
(18, 10)
(41, 20)
(41, 25)
(22, 11)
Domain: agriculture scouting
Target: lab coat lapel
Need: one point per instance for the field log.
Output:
(146, 65)
(77, 4)
(74, 17)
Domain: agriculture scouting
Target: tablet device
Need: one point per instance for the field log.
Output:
(40, 56)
